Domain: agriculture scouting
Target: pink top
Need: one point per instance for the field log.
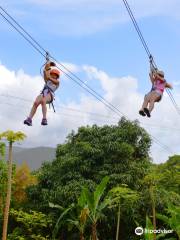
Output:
(159, 85)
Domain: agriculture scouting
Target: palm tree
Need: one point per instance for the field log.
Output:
(11, 137)
(61, 220)
(173, 220)
(2, 150)
(80, 223)
(2, 174)
(152, 195)
(95, 204)
(77, 218)
(122, 197)
(151, 180)
(149, 225)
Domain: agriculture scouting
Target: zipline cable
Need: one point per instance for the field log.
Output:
(22, 35)
(167, 149)
(83, 112)
(154, 138)
(104, 100)
(84, 86)
(22, 29)
(137, 28)
(153, 68)
(99, 96)
(173, 100)
(164, 147)
(147, 50)
(87, 88)
(115, 109)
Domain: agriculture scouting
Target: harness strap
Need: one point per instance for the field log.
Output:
(52, 97)
(153, 69)
(52, 106)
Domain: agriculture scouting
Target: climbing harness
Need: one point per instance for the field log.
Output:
(153, 65)
(50, 88)
(47, 90)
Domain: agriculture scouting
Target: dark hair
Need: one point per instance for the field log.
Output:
(52, 64)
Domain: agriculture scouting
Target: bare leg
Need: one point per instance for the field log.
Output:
(146, 101)
(44, 101)
(35, 106)
(151, 106)
(44, 108)
(154, 98)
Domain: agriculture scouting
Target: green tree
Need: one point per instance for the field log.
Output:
(151, 180)
(3, 175)
(80, 221)
(80, 216)
(172, 219)
(122, 197)
(2, 150)
(161, 187)
(11, 137)
(170, 174)
(22, 179)
(120, 152)
(149, 226)
(95, 204)
(3, 180)
(29, 225)
(62, 219)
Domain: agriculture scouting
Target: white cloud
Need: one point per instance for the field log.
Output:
(83, 17)
(70, 66)
(122, 92)
(176, 83)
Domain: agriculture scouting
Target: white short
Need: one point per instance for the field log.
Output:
(46, 91)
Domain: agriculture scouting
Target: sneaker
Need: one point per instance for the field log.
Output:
(28, 121)
(147, 112)
(141, 112)
(44, 122)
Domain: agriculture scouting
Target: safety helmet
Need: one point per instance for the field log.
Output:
(160, 73)
(55, 71)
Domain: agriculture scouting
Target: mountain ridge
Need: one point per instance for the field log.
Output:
(34, 157)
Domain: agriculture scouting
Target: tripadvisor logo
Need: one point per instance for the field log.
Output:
(139, 231)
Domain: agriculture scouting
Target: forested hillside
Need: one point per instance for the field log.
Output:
(101, 185)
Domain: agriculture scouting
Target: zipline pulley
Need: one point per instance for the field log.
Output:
(47, 56)
(153, 68)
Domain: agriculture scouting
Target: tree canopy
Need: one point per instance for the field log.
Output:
(72, 192)
(121, 152)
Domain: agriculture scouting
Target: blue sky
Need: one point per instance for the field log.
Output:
(114, 48)
(98, 34)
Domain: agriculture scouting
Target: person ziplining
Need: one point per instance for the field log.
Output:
(51, 78)
(155, 95)
(159, 83)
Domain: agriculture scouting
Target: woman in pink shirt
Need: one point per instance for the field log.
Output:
(155, 95)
